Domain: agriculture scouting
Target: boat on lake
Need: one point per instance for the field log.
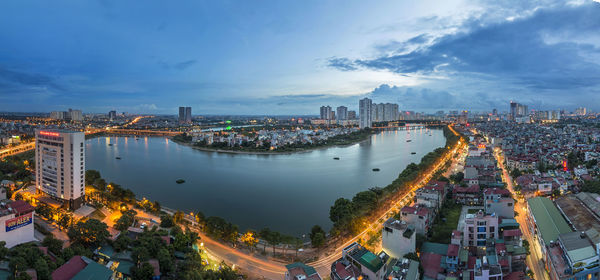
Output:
(118, 157)
(408, 140)
(413, 153)
(180, 181)
(375, 169)
(336, 158)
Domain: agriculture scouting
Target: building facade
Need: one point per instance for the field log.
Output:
(365, 112)
(16, 218)
(342, 113)
(60, 172)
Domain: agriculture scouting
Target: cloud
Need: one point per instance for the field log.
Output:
(13, 78)
(185, 64)
(546, 48)
(343, 64)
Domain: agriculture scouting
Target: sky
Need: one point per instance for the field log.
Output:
(290, 57)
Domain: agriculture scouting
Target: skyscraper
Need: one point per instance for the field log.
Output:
(517, 110)
(342, 113)
(112, 115)
(185, 114)
(326, 113)
(60, 165)
(364, 108)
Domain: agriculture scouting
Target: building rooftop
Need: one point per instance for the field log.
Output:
(69, 269)
(548, 219)
(367, 259)
(577, 245)
(298, 268)
(577, 211)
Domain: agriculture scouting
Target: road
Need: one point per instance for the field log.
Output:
(534, 260)
(16, 149)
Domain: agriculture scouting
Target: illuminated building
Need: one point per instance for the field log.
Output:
(398, 238)
(365, 112)
(16, 220)
(60, 172)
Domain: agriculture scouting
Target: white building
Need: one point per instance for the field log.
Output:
(398, 238)
(60, 172)
(326, 113)
(16, 218)
(365, 106)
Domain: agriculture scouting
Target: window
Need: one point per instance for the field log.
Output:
(492, 229)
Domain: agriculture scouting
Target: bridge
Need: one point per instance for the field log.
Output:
(140, 132)
(16, 149)
(407, 126)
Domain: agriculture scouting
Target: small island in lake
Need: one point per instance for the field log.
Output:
(180, 181)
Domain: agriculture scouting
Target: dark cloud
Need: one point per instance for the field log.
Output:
(546, 50)
(13, 78)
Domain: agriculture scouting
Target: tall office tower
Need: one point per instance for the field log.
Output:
(518, 110)
(342, 112)
(112, 115)
(60, 165)
(188, 114)
(364, 109)
(326, 112)
(352, 115)
(495, 112)
(181, 118)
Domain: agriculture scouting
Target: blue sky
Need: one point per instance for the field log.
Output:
(290, 57)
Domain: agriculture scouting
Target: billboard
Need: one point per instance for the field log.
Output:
(18, 222)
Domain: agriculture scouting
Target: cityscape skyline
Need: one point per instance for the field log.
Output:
(399, 52)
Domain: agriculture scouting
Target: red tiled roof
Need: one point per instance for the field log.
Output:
(496, 191)
(69, 269)
(513, 232)
(471, 189)
(452, 250)
(431, 264)
(503, 262)
(21, 206)
(500, 247)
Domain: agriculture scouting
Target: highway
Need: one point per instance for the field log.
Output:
(534, 260)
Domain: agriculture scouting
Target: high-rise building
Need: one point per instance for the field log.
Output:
(112, 115)
(390, 112)
(57, 115)
(352, 115)
(185, 115)
(75, 115)
(365, 106)
(326, 112)
(342, 113)
(188, 114)
(60, 165)
(517, 110)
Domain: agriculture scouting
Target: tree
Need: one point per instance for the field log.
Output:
(249, 239)
(122, 243)
(126, 220)
(42, 269)
(165, 260)
(457, 177)
(64, 220)
(341, 212)
(53, 244)
(178, 217)
(3, 250)
(144, 272)
(140, 254)
(166, 221)
(89, 233)
(516, 173)
(364, 202)
(412, 256)
(317, 236)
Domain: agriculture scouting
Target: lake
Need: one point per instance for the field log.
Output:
(286, 192)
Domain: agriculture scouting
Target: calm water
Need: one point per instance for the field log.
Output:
(289, 193)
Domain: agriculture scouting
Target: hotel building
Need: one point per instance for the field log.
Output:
(60, 168)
